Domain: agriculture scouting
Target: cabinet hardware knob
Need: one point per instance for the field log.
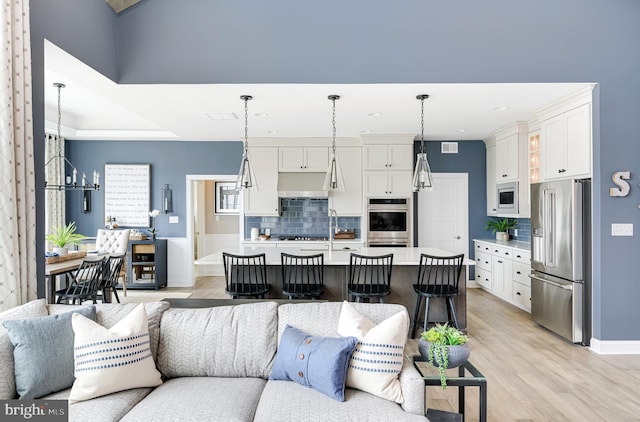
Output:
(457, 237)
(499, 262)
(518, 272)
(518, 293)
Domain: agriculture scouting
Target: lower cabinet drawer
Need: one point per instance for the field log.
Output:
(521, 296)
(483, 278)
(483, 261)
(521, 273)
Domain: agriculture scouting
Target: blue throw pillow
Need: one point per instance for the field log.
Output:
(43, 352)
(316, 362)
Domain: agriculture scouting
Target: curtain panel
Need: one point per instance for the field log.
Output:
(17, 180)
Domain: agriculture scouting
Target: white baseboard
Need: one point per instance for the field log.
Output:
(615, 347)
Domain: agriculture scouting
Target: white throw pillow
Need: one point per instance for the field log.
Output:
(377, 360)
(111, 360)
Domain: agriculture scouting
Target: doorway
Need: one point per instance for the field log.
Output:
(208, 231)
(443, 214)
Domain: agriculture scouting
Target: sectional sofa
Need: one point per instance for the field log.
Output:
(216, 363)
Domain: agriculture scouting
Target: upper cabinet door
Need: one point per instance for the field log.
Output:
(507, 159)
(375, 157)
(491, 180)
(295, 159)
(316, 159)
(263, 201)
(400, 157)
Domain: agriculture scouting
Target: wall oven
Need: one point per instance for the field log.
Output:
(389, 222)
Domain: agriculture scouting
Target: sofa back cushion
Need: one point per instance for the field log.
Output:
(225, 341)
(32, 309)
(321, 319)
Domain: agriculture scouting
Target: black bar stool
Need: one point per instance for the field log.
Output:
(302, 276)
(245, 275)
(369, 277)
(438, 277)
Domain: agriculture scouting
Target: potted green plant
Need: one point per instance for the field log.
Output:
(64, 236)
(499, 226)
(444, 347)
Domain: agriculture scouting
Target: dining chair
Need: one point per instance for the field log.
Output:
(115, 242)
(245, 275)
(369, 277)
(302, 276)
(438, 277)
(109, 279)
(83, 283)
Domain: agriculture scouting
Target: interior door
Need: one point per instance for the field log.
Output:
(443, 214)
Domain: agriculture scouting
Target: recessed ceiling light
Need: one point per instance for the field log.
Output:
(272, 132)
(366, 131)
(375, 114)
(500, 108)
(261, 114)
(221, 116)
(460, 130)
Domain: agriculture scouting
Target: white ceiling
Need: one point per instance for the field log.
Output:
(96, 108)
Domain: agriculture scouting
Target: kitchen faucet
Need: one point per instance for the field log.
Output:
(332, 232)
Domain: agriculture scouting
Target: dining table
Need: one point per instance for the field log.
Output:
(52, 273)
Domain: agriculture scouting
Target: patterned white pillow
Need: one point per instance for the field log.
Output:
(115, 359)
(377, 359)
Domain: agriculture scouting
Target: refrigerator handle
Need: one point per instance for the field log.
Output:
(549, 222)
(576, 230)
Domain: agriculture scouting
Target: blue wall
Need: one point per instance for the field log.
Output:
(170, 163)
(376, 41)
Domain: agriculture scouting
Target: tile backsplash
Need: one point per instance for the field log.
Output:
(301, 216)
(524, 229)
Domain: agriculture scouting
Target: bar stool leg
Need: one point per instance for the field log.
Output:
(416, 315)
(426, 313)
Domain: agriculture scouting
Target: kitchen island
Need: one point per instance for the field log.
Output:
(404, 273)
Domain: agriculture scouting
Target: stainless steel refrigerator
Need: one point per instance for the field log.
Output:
(561, 258)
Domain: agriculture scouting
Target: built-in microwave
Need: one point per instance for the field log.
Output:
(507, 198)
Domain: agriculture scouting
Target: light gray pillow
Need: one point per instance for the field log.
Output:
(43, 352)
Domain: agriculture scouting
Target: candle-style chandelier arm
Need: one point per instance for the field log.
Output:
(67, 181)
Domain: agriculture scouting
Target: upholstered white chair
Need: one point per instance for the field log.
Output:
(114, 242)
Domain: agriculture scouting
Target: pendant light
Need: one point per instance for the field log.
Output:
(422, 175)
(334, 180)
(68, 181)
(246, 178)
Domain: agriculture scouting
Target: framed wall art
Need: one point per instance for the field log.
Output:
(126, 194)
(227, 198)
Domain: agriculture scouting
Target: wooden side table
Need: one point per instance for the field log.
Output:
(468, 376)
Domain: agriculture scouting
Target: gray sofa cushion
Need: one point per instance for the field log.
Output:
(110, 408)
(33, 309)
(281, 400)
(227, 341)
(201, 399)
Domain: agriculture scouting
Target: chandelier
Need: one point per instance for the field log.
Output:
(68, 181)
(334, 179)
(246, 178)
(422, 175)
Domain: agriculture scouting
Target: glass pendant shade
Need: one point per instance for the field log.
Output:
(422, 175)
(246, 177)
(334, 179)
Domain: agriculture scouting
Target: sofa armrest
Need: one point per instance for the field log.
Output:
(413, 390)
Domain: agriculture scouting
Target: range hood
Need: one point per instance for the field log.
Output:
(301, 185)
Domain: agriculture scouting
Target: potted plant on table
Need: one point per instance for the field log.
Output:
(499, 226)
(444, 347)
(64, 236)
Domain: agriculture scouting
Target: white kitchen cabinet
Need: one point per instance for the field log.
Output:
(504, 271)
(565, 144)
(264, 200)
(388, 170)
(388, 183)
(507, 159)
(507, 156)
(388, 157)
(491, 180)
(349, 201)
(305, 159)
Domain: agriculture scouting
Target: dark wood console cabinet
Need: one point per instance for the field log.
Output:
(146, 264)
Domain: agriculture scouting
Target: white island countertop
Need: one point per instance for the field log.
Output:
(338, 256)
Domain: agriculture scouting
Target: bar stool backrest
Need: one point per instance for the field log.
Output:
(440, 273)
(370, 270)
(245, 273)
(302, 276)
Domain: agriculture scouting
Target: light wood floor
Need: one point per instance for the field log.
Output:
(532, 374)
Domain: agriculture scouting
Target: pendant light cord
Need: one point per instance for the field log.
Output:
(422, 125)
(246, 124)
(333, 122)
